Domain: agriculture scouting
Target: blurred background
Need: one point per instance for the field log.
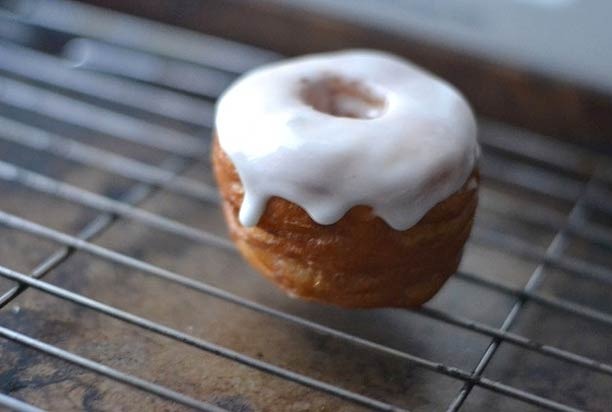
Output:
(544, 64)
(567, 39)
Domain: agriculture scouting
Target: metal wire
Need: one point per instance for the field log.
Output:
(94, 228)
(118, 125)
(119, 164)
(214, 56)
(100, 223)
(526, 250)
(162, 102)
(26, 62)
(298, 378)
(179, 336)
(17, 405)
(513, 338)
(544, 182)
(90, 156)
(567, 187)
(146, 67)
(98, 251)
(114, 374)
(39, 139)
(83, 197)
(54, 187)
(556, 154)
(140, 34)
(548, 301)
(554, 250)
(104, 204)
(550, 219)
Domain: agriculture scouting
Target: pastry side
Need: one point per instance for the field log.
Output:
(359, 261)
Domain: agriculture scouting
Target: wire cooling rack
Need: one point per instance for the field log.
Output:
(119, 289)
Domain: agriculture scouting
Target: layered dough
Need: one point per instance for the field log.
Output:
(359, 261)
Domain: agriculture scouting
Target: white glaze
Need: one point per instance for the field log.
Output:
(417, 152)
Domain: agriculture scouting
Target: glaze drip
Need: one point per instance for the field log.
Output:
(335, 130)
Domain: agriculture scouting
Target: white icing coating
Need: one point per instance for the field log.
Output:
(413, 146)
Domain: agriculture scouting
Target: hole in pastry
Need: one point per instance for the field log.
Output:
(340, 97)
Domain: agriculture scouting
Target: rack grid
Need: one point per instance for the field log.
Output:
(104, 165)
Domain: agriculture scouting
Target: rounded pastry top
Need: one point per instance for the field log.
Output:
(334, 130)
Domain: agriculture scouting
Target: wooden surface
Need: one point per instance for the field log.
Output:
(501, 92)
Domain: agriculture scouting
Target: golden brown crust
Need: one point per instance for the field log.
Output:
(358, 261)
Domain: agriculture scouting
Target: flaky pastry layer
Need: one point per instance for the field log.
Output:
(359, 261)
